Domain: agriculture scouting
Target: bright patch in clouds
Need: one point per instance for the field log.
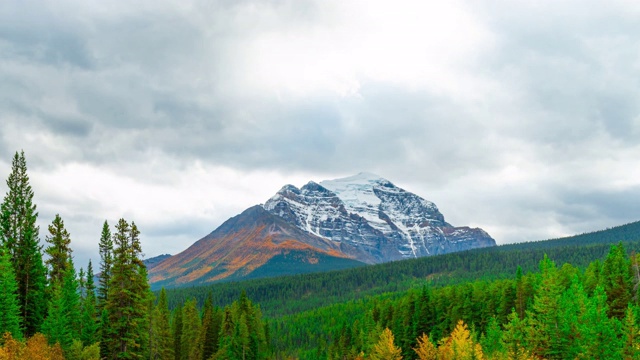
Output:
(419, 45)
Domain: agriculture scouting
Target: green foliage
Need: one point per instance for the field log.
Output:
(617, 281)
(10, 310)
(191, 325)
(294, 294)
(162, 339)
(59, 250)
(19, 235)
(88, 319)
(105, 247)
(177, 333)
(78, 351)
(126, 332)
(242, 334)
(63, 320)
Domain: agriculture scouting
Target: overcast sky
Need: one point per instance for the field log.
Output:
(520, 117)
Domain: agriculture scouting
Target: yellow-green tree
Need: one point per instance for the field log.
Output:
(460, 345)
(425, 349)
(385, 348)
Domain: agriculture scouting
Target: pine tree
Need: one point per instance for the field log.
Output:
(492, 340)
(545, 322)
(190, 329)
(10, 310)
(385, 349)
(128, 295)
(163, 338)
(19, 234)
(242, 333)
(59, 251)
(106, 261)
(600, 332)
(104, 334)
(630, 336)
(62, 324)
(177, 332)
(617, 281)
(211, 321)
(88, 319)
(514, 338)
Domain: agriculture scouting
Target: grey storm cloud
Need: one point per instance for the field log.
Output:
(508, 134)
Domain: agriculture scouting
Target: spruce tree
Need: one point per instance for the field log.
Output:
(106, 260)
(211, 322)
(630, 335)
(63, 321)
(177, 332)
(617, 281)
(88, 319)
(163, 339)
(59, 250)
(190, 330)
(9, 308)
(545, 315)
(128, 295)
(19, 234)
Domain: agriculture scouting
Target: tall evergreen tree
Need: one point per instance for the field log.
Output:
(617, 281)
(9, 308)
(106, 261)
(59, 250)
(62, 324)
(211, 322)
(128, 295)
(88, 318)
(177, 332)
(545, 315)
(191, 325)
(19, 234)
(163, 339)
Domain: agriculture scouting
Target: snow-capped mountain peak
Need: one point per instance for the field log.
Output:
(373, 219)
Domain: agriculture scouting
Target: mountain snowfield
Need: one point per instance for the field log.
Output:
(375, 220)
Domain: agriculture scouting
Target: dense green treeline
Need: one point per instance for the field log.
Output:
(555, 313)
(293, 294)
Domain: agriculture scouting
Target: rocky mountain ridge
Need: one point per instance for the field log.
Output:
(374, 220)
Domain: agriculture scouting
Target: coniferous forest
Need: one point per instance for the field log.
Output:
(574, 298)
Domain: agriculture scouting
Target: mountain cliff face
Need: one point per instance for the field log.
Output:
(321, 226)
(372, 219)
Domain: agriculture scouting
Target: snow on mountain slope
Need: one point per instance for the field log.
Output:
(375, 220)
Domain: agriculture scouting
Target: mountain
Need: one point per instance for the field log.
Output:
(330, 225)
(250, 245)
(153, 261)
(373, 220)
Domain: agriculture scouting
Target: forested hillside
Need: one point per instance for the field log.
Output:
(556, 312)
(292, 294)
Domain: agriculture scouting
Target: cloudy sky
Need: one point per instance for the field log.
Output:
(520, 117)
